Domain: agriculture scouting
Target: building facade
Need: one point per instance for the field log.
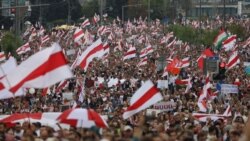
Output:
(212, 8)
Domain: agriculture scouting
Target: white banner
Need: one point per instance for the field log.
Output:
(246, 64)
(229, 88)
(165, 106)
(162, 84)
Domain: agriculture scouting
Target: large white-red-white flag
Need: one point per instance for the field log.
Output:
(233, 60)
(41, 70)
(204, 94)
(144, 97)
(23, 49)
(7, 67)
(93, 51)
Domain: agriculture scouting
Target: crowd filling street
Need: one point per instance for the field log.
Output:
(195, 106)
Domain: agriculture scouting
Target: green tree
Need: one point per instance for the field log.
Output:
(10, 43)
(238, 30)
(90, 8)
(193, 35)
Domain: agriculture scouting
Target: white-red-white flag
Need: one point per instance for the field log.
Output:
(101, 30)
(6, 68)
(44, 39)
(41, 70)
(149, 49)
(143, 52)
(93, 51)
(185, 62)
(85, 23)
(131, 53)
(79, 117)
(202, 100)
(96, 18)
(233, 60)
(78, 34)
(144, 97)
(23, 49)
(143, 61)
(246, 43)
(229, 43)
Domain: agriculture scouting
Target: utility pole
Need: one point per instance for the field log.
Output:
(224, 13)
(148, 11)
(200, 16)
(69, 12)
(101, 11)
(17, 21)
(40, 13)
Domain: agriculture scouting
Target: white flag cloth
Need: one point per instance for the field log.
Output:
(79, 117)
(41, 70)
(144, 97)
(7, 67)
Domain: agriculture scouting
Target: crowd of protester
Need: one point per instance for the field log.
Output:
(111, 100)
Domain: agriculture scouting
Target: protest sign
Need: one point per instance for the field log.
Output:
(162, 84)
(165, 106)
(246, 64)
(229, 88)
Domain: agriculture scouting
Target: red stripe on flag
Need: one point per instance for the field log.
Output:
(229, 40)
(92, 115)
(131, 52)
(93, 51)
(77, 34)
(55, 61)
(233, 61)
(148, 95)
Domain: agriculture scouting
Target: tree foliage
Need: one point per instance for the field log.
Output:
(58, 9)
(10, 43)
(194, 36)
(237, 29)
(90, 8)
